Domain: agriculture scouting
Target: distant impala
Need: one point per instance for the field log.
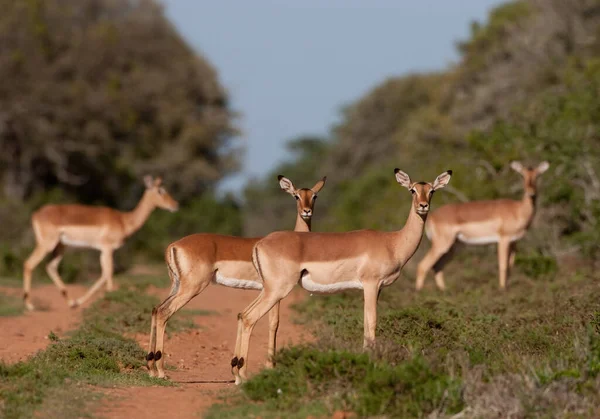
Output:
(502, 221)
(100, 228)
(197, 260)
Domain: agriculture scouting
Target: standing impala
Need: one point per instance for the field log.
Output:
(197, 260)
(332, 262)
(502, 221)
(101, 228)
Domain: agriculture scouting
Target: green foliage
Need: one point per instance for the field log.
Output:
(350, 381)
(486, 39)
(95, 94)
(128, 311)
(93, 355)
(536, 265)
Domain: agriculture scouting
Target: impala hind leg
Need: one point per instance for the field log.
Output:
(52, 268)
(32, 261)
(433, 260)
(438, 267)
(273, 326)
(163, 313)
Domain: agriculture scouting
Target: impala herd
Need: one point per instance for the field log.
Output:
(324, 263)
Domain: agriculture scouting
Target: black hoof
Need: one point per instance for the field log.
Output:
(150, 356)
(234, 362)
(157, 355)
(240, 363)
(25, 296)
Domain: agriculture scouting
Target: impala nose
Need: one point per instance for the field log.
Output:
(306, 213)
(423, 207)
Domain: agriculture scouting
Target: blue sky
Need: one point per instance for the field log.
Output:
(289, 66)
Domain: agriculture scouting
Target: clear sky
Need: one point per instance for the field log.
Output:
(290, 65)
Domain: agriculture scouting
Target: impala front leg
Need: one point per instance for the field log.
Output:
(503, 249)
(371, 292)
(273, 326)
(106, 261)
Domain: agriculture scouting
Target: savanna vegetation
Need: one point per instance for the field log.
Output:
(89, 104)
(527, 87)
(95, 94)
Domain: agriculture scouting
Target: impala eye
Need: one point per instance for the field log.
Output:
(412, 191)
(314, 197)
(297, 197)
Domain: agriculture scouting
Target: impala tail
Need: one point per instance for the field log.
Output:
(174, 270)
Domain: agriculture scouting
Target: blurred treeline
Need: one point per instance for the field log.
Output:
(526, 87)
(94, 94)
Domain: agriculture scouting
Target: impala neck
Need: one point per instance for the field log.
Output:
(301, 224)
(135, 219)
(528, 207)
(408, 239)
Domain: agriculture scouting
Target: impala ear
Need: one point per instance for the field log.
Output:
(402, 178)
(158, 181)
(516, 166)
(286, 185)
(148, 181)
(542, 167)
(319, 185)
(442, 180)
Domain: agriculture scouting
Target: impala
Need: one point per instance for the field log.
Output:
(101, 228)
(332, 262)
(502, 221)
(197, 260)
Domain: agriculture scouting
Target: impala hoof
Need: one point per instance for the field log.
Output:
(29, 307)
(73, 303)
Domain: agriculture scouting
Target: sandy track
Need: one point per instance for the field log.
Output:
(202, 357)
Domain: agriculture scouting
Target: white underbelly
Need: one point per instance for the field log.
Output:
(485, 239)
(237, 283)
(309, 285)
(75, 243)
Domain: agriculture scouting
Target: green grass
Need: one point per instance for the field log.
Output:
(61, 380)
(471, 349)
(128, 311)
(10, 306)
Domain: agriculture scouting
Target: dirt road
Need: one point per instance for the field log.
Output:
(202, 356)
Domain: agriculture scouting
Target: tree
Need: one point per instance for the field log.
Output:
(96, 93)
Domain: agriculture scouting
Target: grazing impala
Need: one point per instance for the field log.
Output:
(101, 228)
(502, 221)
(197, 260)
(332, 262)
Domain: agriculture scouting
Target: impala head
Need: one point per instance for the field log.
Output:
(159, 195)
(422, 191)
(305, 198)
(530, 175)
